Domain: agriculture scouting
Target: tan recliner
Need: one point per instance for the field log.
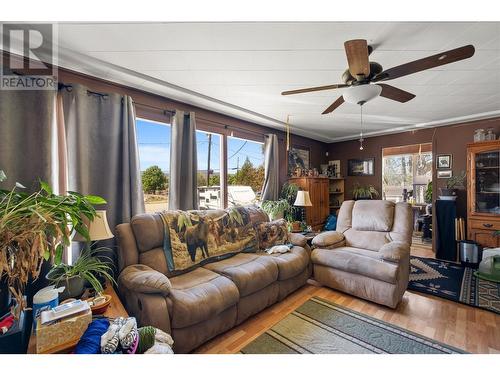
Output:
(369, 254)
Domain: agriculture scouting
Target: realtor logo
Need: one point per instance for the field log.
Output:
(28, 56)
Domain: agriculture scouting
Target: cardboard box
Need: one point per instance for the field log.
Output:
(62, 335)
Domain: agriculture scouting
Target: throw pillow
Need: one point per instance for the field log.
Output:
(272, 233)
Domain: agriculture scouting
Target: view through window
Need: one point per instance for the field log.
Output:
(245, 174)
(153, 139)
(245, 163)
(409, 172)
(209, 177)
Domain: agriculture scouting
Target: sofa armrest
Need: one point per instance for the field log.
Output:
(394, 251)
(143, 279)
(329, 240)
(297, 239)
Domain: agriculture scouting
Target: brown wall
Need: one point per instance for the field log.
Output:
(451, 139)
(206, 120)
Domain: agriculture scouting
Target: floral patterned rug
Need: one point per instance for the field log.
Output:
(453, 281)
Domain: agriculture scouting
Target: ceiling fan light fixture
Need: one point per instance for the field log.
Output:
(361, 93)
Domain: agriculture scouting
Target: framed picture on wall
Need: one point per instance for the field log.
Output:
(298, 157)
(444, 161)
(361, 167)
(445, 174)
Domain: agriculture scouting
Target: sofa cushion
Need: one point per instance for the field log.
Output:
(272, 233)
(353, 261)
(373, 215)
(291, 263)
(199, 295)
(250, 272)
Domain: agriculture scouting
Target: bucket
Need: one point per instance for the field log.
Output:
(45, 299)
(469, 253)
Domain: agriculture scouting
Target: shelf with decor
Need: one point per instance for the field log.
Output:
(336, 191)
(483, 189)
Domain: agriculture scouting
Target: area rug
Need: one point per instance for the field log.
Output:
(454, 282)
(322, 327)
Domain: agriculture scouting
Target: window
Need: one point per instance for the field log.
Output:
(208, 149)
(245, 167)
(411, 171)
(153, 139)
(245, 174)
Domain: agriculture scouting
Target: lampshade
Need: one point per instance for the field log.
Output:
(98, 228)
(302, 199)
(361, 93)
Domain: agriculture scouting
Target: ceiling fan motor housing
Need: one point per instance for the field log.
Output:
(375, 68)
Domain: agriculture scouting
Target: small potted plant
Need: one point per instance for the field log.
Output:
(283, 207)
(360, 192)
(87, 269)
(453, 184)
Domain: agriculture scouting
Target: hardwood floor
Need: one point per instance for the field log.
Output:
(462, 326)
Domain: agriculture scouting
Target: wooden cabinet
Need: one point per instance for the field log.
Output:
(318, 188)
(483, 192)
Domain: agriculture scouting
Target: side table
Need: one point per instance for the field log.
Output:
(114, 310)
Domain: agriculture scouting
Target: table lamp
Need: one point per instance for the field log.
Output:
(303, 200)
(98, 228)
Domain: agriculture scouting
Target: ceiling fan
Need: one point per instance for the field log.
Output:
(363, 75)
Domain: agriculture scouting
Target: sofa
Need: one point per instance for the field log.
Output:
(209, 299)
(368, 255)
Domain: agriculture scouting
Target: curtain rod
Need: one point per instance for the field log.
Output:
(225, 126)
(90, 92)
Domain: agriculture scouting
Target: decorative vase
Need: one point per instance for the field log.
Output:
(448, 192)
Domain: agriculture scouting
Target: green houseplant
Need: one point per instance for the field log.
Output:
(360, 192)
(283, 207)
(87, 268)
(453, 184)
(428, 193)
(35, 227)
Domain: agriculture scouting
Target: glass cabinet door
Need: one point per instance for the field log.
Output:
(487, 182)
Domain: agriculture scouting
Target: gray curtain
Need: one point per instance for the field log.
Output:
(270, 189)
(183, 190)
(28, 138)
(102, 151)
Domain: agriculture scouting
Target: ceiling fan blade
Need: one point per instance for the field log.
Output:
(334, 105)
(430, 62)
(391, 92)
(311, 89)
(357, 58)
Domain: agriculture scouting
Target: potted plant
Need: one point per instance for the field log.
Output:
(283, 207)
(36, 227)
(360, 192)
(453, 184)
(86, 270)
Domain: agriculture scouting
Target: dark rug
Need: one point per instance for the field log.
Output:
(454, 282)
(319, 326)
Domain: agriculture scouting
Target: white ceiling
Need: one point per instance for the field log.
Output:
(241, 68)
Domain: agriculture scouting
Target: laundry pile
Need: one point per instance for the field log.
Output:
(121, 336)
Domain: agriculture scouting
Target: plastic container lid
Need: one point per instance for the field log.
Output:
(47, 294)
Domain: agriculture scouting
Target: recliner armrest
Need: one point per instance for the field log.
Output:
(297, 239)
(394, 251)
(329, 240)
(143, 279)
